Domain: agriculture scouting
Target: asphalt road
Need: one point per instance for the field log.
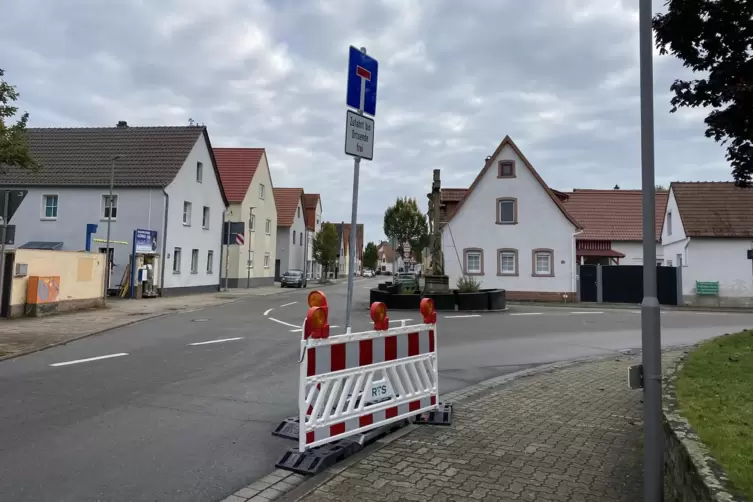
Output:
(162, 419)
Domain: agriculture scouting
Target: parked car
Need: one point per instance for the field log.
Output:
(293, 278)
(368, 273)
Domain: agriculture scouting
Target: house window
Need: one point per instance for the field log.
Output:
(474, 261)
(50, 207)
(176, 260)
(669, 263)
(109, 206)
(199, 172)
(187, 213)
(543, 263)
(266, 260)
(300, 241)
(210, 261)
(506, 169)
(299, 212)
(268, 227)
(293, 236)
(679, 260)
(507, 211)
(205, 217)
(317, 222)
(669, 223)
(252, 223)
(261, 191)
(508, 262)
(194, 261)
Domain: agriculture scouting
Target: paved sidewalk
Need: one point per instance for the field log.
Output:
(571, 433)
(25, 335)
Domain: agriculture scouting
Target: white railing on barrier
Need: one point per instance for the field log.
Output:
(337, 393)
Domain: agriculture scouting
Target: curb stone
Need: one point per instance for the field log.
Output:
(631, 306)
(308, 484)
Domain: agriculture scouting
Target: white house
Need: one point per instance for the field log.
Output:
(165, 181)
(510, 231)
(291, 231)
(248, 185)
(313, 208)
(708, 233)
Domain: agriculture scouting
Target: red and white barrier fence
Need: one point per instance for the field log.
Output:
(356, 382)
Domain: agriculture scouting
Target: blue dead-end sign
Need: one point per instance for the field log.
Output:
(361, 66)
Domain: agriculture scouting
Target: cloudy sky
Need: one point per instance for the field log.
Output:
(559, 76)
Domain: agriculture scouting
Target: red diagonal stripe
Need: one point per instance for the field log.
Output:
(311, 361)
(363, 72)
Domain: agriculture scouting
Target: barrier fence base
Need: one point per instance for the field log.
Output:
(288, 429)
(441, 416)
(315, 460)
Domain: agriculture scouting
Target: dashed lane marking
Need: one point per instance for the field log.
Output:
(283, 322)
(89, 359)
(461, 316)
(527, 313)
(288, 304)
(221, 340)
(587, 312)
(266, 312)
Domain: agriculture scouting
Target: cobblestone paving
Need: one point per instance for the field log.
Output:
(572, 434)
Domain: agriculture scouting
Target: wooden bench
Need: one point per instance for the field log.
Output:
(707, 288)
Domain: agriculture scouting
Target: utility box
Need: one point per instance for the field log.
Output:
(42, 296)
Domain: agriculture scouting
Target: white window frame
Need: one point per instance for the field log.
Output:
(506, 253)
(261, 191)
(205, 217)
(187, 206)
(252, 223)
(679, 259)
(199, 172)
(550, 262)
(194, 261)
(177, 258)
(103, 206)
(210, 261)
(266, 260)
(468, 255)
(44, 216)
(268, 227)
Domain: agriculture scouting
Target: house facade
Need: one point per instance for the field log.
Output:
(511, 231)
(708, 233)
(343, 233)
(248, 185)
(313, 208)
(612, 223)
(291, 246)
(386, 256)
(164, 180)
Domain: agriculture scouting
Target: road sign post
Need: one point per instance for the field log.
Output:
(359, 142)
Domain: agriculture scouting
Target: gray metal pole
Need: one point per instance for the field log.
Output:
(248, 261)
(653, 444)
(3, 234)
(227, 254)
(354, 218)
(106, 280)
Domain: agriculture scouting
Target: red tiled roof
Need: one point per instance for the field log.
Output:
(237, 167)
(310, 201)
(611, 253)
(286, 200)
(490, 161)
(452, 194)
(714, 209)
(612, 214)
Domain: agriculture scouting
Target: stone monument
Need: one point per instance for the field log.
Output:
(435, 281)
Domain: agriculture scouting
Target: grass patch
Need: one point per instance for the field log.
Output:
(715, 394)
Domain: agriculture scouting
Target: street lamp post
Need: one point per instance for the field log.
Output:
(249, 260)
(108, 208)
(653, 444)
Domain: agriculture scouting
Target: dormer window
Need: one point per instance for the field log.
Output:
(506, 169)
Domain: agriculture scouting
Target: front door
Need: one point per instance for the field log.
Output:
(277, 270)
(112, 263)
(587, 283)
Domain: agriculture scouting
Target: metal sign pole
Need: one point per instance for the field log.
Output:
(248, 261)
(227, 254)
(354, 217)
(3, 234)
(653, 450)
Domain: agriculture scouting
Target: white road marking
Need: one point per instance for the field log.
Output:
(287, 304)
(218, 341)
(528, 313)
(461, 316)
(588, 312)
(108, 356)
(283, 322)
(400, 320)
(266, 312)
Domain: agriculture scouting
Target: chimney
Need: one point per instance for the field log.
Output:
(617, 187)
(122, 124)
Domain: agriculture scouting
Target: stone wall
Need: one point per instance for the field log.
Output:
(690, 472)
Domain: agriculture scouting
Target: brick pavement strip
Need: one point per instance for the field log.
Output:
(570, 433)
(25, 335)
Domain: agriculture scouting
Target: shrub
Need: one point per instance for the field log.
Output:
(468, 284)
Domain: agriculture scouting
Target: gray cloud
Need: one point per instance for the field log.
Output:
(559, 76)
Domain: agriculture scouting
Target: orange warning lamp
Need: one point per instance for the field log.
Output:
(379, 316)
(427, 310)
(316, 325)
(318, 299)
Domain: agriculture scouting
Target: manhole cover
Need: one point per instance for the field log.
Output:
(200, 320)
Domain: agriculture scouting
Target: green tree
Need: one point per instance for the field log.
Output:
(14, 148)
(325, 247)
(713, 38)
(418, 244)
(370, 256)
(404, 223)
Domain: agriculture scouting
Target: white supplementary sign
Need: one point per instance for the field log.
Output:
(359, 135)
